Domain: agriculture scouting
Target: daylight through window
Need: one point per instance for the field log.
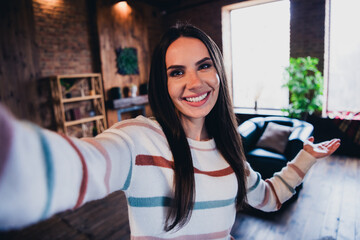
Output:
(260, 43)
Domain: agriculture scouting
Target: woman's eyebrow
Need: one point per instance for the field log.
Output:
(203, 60)
(175, 66)
(197, 63)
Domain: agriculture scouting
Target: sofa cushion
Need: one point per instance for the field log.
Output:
(266, 162)
(275, 137)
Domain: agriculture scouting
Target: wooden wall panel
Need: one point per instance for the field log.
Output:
(118, 29)
(19, 65)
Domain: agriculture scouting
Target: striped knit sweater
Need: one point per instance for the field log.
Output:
(42, 173)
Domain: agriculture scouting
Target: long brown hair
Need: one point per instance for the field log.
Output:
(220, 123)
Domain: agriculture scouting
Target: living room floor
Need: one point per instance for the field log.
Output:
(326, 208)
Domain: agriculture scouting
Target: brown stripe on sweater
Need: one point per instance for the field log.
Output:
(278, 203)
(140, 124)
(148, 160)
(297, 170)
(218, 173)
(84, 180)
(106, 156)
(266, 197)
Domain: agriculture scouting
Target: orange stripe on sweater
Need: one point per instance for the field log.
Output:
(278, 203)
(84, 180)
(266, 197)
(218, 173)
(148, 160)
(141, 124)
(297, 170)
(106, 156)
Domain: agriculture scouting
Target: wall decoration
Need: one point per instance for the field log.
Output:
(127, 61)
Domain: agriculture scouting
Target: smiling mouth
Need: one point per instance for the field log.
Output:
(196, 99)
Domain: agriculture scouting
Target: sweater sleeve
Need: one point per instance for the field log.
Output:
(268, 195)
(43, 173)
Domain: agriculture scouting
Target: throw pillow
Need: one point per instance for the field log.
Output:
(275, 137)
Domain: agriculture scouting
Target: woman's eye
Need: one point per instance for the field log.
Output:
(176, 73)
(205, 66)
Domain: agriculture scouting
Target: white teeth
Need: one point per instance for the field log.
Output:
(196, 99)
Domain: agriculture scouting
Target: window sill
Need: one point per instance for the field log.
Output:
(343, 115)
(264, 112)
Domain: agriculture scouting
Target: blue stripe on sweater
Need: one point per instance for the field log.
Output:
(256, 183)
(49, 168)
(213, 204)
(128, 178)
(291, 189)
(166, 202)
(150, 202)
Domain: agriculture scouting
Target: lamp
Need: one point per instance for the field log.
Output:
(123, 8)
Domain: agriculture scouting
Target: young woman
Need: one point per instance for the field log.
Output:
(183, 173)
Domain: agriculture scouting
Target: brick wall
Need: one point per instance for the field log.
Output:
(64, 37)
(307, 23)
(308, 29)
(66, 30)
(156, 27)
(204, 14)
(67, 43)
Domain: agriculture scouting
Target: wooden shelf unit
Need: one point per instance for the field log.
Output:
(77, 99)
(88, 91)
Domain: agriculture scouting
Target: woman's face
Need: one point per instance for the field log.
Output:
(193, 82)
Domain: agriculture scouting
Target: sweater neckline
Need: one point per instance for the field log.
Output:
(202, 145)
(205, 145)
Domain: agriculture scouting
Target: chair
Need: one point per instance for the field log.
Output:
(270, 142)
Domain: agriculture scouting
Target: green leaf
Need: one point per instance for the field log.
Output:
(305, 84)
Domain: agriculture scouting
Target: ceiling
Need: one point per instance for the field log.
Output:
(175, 5)
(163, 4)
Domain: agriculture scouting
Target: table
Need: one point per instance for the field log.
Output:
(130, 104)
(130, 109)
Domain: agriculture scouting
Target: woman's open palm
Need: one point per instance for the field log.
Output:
(322, 149)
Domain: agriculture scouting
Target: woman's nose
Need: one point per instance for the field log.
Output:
(193, 80)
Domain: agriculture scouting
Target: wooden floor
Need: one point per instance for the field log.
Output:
(327, 208)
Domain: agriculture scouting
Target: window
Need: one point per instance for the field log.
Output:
(342, 54)
(259, 52)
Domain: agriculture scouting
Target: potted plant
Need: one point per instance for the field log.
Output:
(305, 84)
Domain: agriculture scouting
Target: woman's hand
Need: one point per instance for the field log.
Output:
(322, 149)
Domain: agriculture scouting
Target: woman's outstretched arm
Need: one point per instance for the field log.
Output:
(269, 194)
(43, 172)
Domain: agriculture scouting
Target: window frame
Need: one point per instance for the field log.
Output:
(227, 52)
(326, 112)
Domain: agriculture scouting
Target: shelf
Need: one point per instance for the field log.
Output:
(79, 105)
(78, 99)
(83, 120)
(81, 75)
